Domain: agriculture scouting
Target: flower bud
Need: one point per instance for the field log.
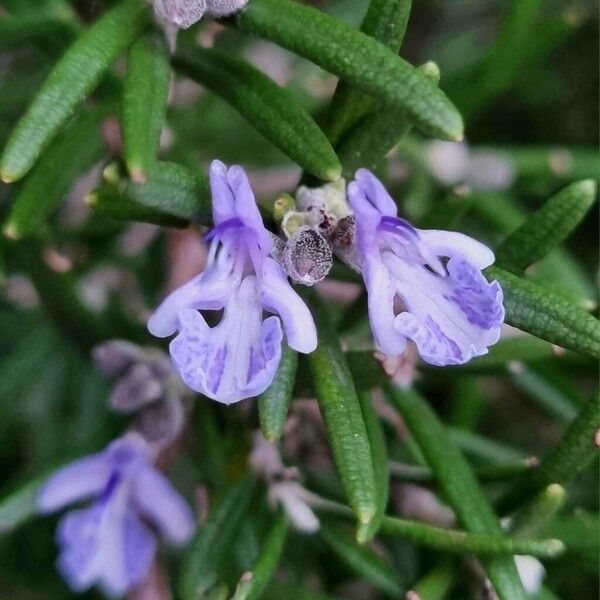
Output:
(307, 256)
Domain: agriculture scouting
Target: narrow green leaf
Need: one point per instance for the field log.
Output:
(145, 96)
(268, 107)
(386, 22)
(273, 404)
(19, 29)
(355, 57)
(378, 133)
(110, 201)
(483, 448)
(20, 505)
(172, 195)
(538, 311)
(344, 420)
(380, 465)
(559, 271)
(71, 80)
(459, 485)
(573, 453)
(363, 561)
(211, 545)
(71, 153)
(541, 390)
(253, 583)
(461, 542)
(287, 591)
(436, 583)
(532, 518)
(547, 227)
(496, 472)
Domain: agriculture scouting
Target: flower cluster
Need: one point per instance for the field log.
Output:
(422, 285)
(230, 323)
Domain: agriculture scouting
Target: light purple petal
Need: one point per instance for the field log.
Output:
(237, 358)
(451, 318)
(128, 454)
(452, 243)
(81, 479)
(78, 537)
(223, 200)
(139, 545)
(232, 198)
(209, 290)
(160, 503)
(245, 205)
(376, 193)
(127, 548)
(381, 293)
(278, 296)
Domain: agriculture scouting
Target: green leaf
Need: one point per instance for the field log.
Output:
(273, 404)
(268, 107)
(363, 561)
(386, 22)
(538, 311)
(344, 420)
(378, 133)
(380, 464)
(253, 583)
(20, 505)
(145, 96)
(355, 57)
(71, 80)
(461, 542)
(483, 448)
(72, 152)
(495, 472)
(540, 388)
(31, 25)
(172, 195)
(570, 456)
(533, 518)
(547, 227)
(110, 201)
(459, 485)
(211, 546)
(437, 582)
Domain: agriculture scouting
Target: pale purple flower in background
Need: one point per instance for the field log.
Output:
(145, 385)
(424, 285)
(284, 487)
(453, 163)
(236, 358)
(110, 543)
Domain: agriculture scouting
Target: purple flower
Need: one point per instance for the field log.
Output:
(236, 358)
(424, 285)
(110, 542)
